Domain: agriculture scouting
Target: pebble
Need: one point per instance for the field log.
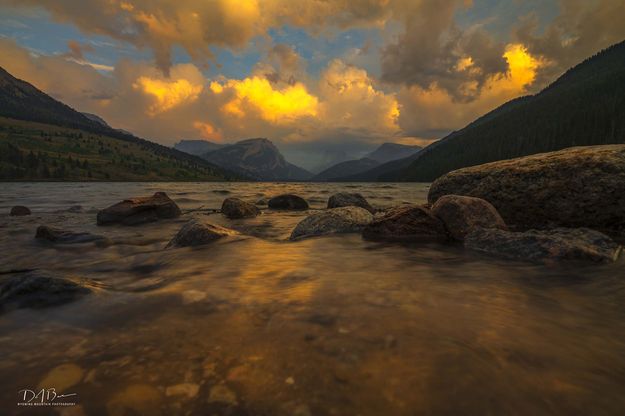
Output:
(189, 390)
(62, 377)
(222, 394)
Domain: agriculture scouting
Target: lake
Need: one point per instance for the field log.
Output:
(333, 325)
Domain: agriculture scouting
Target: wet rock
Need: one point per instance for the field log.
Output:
(333, 221)
(38, 290)
(19, 211)
(344, 199)
(57, 235)
(188, 390)
(196, 233)
(575, 187)
(222, 394)
(411, 223)
(235, 208)
(75, 209)
(534, 245)
(136, 399)
(62, 377)
(461, 214)
(262, 202)
(141, 210)
(288, 202)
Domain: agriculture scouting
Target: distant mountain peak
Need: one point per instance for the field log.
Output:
(392, 151)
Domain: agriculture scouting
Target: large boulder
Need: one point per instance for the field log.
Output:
(344, 199)
(409, 223)
(37, 289)
(288, 202)
(333, 221)
(56, 235)
(236, 208)
(139, 210)
(19, 211)
(535, 245)
(197, 233)
(575, 187)
(461, 214)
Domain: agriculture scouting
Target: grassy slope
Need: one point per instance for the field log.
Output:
(35, 151)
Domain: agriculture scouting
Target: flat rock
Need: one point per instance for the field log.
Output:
(534, 245)
(19, 211)
(288, 202)
(571, 188)
(234, 208)
(141, 210)
(37, 289)
(344, 199)
(197, 233)
(56, 235)
(461, 214)
(407, 223)
(333, 221)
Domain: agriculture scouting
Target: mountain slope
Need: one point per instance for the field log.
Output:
(257, 158)
(351, 167)
(20, 100)
(585, 106)
(392, 151)
(197, 147)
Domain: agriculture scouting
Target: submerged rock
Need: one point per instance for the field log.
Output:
(38, 290)
(344, 199)
(333, 221)
(196, 233)
(461, 214)
(57, 235)
(141, 210)
(411, 223)
(288, 202)
(19, 211)
(575, 187)
(262, 202)
(534, 245)
(236, 208)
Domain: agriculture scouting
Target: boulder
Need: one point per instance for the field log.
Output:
(19, 211)
(57, 235)
(197, 233)
(408, 223)
(139, 210)
(288, 202)
(262, 202)
(236, 208)
(333, 221)
(571, 188)
(344, 199)
(461, 214)
(535, 245)
(37, 289)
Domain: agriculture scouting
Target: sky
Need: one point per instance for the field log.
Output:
(322, 79)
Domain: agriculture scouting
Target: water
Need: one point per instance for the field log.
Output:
(325, 326)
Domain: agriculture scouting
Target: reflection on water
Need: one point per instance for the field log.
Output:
(326, 326)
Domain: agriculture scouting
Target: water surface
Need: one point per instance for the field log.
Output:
(326, 326)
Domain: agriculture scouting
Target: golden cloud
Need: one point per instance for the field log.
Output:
(167, 94)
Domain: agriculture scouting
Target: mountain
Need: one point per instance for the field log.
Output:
(257, 158)
(392, 151)
(42, 138)
(351, 167)
(197, 147)
(382, 172)
(585, 106)
(96, 118)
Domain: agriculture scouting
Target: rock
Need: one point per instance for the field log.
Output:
(236, 208)
(288, 202)
(410, 223)
(19, 211)
(196, 233)
(62, 377)
(75, 209)
(222, 394)
(461, 214)
(534, 245)
(575, 187)
(56, 235)
(38, 290)
(262, 202)
(333, 221)
(344, 199)
(188, 390)
(136, 399)
(139, 210)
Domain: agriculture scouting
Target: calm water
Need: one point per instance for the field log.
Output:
(325, 326)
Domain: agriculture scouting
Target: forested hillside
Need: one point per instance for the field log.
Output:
(586, 106)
